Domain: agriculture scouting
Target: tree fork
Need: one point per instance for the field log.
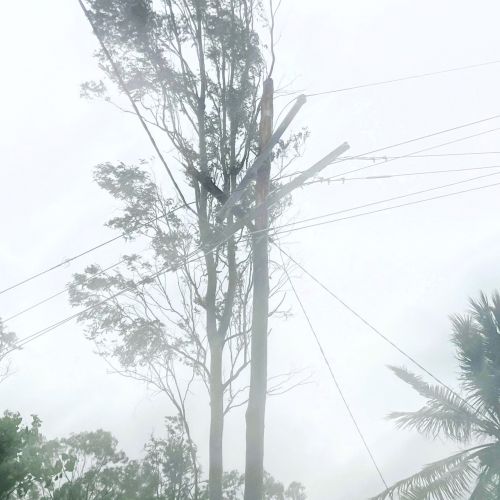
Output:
(256, 410)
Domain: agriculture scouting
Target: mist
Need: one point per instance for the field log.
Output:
(186, 324)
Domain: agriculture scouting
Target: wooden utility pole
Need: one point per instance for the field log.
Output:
(260, 172)
(255, 415)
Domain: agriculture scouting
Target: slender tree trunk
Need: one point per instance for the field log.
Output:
(216, 424)
(255, 416)
(216, 343)
(216, 386)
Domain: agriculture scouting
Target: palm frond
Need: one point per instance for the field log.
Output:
(432, 422)
(445, 412)
(473, 473)
(477, 338)
(487, 486)
(423, 388)
(445, 479)
(490, 456)
(495, 299)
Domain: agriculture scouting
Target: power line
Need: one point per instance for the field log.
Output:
(327, 180)
(432, 134)
(187, 260)
(414, 152)
(86, 252)
(376, 330)
(385, 160)
(151, 138)
(44, 331)
(60, 264)
(405, 174)
(409, 155)
(60, 292)
(404, 78)
(332, 375)
(381, 209)
(439, 155)
(279, 228)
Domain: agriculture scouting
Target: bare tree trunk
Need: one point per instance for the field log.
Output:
(216, 422)
(216, 342)
(255, 416)
(216, 386)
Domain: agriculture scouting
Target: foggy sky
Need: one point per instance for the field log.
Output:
(406, 270)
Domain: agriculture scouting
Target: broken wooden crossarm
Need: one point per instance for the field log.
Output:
(307, 174)
(250, 174)
(279, 194)
(246, 218)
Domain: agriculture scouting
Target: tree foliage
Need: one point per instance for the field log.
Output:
(7, 344)
(474, 472)
(19, 446)
(90, 466)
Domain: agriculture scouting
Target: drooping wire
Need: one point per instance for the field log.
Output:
(375, 330)
(332, 374)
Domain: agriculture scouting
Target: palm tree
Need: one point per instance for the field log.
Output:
(471, 420)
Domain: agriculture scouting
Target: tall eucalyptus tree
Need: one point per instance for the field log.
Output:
(193, 70)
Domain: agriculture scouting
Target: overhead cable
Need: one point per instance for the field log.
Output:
(334, 378)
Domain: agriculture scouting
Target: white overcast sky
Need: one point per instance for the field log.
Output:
(406, 270)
